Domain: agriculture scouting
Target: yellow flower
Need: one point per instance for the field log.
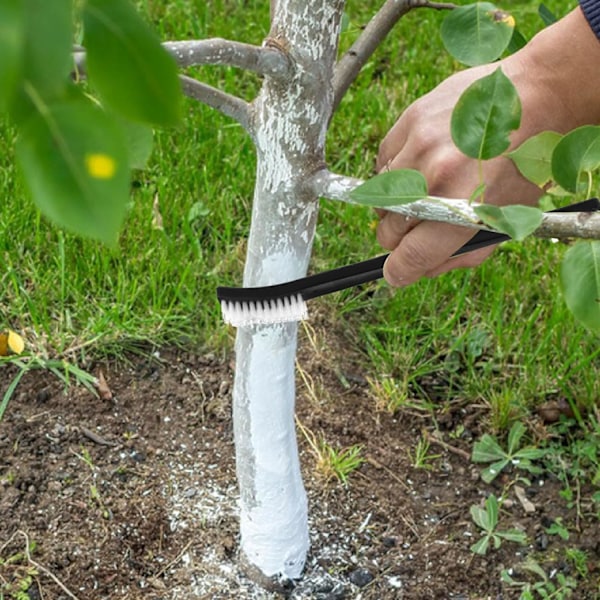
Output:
(100, 166)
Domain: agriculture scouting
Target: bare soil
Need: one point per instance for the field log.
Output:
(135, 496)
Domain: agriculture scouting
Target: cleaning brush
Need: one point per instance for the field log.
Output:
(286, 302)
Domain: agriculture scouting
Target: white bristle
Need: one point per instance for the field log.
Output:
(264, 312)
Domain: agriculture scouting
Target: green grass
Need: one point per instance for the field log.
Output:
(500, 334)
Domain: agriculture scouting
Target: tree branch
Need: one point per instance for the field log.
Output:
(266, 61)
(229, 105)
(379, 26)
(584, 225)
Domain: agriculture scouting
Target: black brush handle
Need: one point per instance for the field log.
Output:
(370, 270)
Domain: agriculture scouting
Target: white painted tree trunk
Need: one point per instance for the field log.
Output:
(289, 121)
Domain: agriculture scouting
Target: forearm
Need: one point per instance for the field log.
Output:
(562, 68)
(557, 77)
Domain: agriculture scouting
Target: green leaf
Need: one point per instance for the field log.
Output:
(491, 505)
(133, 73)
(576, 153)
(517, 41)
(477, 33)
(12, 39)
(490, 473)
(75, 164)
(580, 278)
(49, 34)
(486, 518)
(139, 139)
(515, 220)
(530, 453)
(481, 547)
(393, 188)
(515, 435)
(533, 157)
(547, 15)
(480, 517)
(484, 116)
(513, 535)
(487, 449)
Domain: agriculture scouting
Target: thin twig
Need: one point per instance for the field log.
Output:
(229, 105)
(267, 61)
(374, 33)
(97, 439)
(44, 570)
(380, 466)
(453, 449)
(174, 561)
(458, 211)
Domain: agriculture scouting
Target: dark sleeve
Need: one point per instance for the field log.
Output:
(591, 10)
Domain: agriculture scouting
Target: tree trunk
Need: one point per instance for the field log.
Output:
(290, 123)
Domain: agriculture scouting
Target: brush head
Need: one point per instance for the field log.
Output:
(242, 313)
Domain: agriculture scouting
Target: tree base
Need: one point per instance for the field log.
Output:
(276, 583)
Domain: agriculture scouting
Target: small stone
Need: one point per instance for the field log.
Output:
(541, 541)
(43, 396)
(138, 457)
(361, 577)
(389, 542)
(54, 486)
(338, 593)
(324, 587)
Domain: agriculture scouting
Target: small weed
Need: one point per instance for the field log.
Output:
(85, 457)
(331, 462)
(63, 370)
(544, 587)
(486, 519)
(557, 528)
(575, 459)
(19, 571)
(8, 479)
(17, 575)
(579, 559)
(488, 450)
(421, 459)
(390, 394)
(503, 409)
(339, 463)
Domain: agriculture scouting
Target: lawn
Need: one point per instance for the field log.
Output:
(498, 337)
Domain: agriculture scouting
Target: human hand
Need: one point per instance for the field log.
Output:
(421, 140)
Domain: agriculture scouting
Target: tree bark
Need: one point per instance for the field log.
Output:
(289, 124)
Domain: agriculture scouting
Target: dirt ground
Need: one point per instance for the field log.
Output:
(134, 497)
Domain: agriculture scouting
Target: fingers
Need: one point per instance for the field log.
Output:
(392, 228)
(465, 261)
(391, 145)
(425, 250)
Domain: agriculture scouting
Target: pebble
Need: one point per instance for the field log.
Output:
(541, 541)
(361, 577)
(337, 593)
(190, 492)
